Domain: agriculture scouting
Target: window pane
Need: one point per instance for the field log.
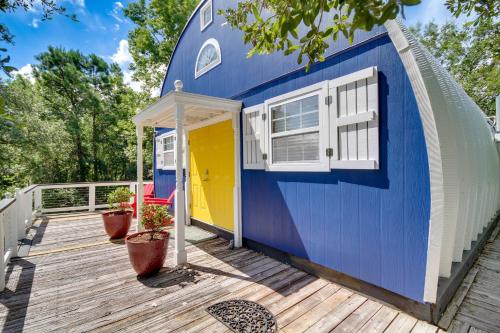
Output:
(293, 123)
(168, 143)
(278, 112)
(207, 57)
(278, 125)
(207, 15)
(292, 108)
(296, 148)
(169, 158)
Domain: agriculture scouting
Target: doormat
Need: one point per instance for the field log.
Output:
(243, 316)
(194, 235)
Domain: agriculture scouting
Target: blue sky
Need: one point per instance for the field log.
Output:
(102, 29)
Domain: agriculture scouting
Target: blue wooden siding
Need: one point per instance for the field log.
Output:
(372, 225)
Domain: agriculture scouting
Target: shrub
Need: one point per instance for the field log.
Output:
(119, 199)
(154, 218)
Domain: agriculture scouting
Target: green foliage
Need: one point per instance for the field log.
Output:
(484, 10)
(154, 218)
(48, 8)
(119, 198)
(471, 54)
(273, 25)
(159, 24)
(73, 123)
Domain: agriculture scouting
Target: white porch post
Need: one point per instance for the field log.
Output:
(140, 179)
(238, 237)
(180, 219)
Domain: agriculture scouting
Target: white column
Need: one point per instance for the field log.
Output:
(20, 221)
(180, 255)
(238, 237)
(91, 198)
(140, 180)
(38, 201)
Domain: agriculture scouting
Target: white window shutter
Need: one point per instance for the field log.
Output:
(160, 162)
(253, 137)
(354, 120)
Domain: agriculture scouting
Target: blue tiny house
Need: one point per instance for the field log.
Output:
(363, 166)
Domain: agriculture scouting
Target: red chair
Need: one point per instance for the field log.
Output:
(151, 200)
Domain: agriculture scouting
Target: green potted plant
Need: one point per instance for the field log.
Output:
(118, 219)
(147, 250)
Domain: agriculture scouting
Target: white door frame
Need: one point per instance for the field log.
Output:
(237, 220)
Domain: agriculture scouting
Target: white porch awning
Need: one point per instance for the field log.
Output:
(178, 110)
(197, 108)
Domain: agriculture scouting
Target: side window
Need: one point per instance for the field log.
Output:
(354, 124)
(165, 151)
(206, 15)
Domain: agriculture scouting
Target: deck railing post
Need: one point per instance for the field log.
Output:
(20, 220)
(91, 198)
(11, 218)
(140, 176)
(29, 209)
(2, 253)
(38, 201)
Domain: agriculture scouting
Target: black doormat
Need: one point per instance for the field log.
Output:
(243, 316)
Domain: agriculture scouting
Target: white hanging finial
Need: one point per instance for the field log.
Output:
(178, 85)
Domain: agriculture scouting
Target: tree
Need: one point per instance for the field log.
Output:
(159, 25)
(471, 54)
(273, 25)
(484, 9)
(48, 8)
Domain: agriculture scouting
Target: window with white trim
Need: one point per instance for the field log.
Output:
(208, 57)
(329, 125)
(206, 15)
(297, 128)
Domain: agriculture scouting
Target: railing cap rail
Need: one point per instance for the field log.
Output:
(6, 203)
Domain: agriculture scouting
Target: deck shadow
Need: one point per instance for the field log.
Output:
(17, 301)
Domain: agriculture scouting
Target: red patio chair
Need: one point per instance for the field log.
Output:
(151, 200)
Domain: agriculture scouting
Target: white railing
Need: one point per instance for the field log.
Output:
(17, 214)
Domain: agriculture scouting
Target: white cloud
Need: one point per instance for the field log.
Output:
(35, 22)
(122, 55)
(79, 3)
(26, 71)
(116, 27)
(127, 79)
(117, 11)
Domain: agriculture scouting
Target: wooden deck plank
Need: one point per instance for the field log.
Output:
(334, 317)
(358, 318)
(401, 324)
(380, 320)
(75, 279)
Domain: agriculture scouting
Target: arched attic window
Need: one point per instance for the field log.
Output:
(208, 57)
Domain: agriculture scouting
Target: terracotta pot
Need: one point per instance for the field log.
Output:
(147, 257)
(117, 223)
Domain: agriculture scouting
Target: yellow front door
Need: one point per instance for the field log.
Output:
(212, 174)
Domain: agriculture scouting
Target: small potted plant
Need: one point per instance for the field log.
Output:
(147, 250)
(118, 219)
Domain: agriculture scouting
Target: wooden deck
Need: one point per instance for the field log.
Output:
(478, 306)
(75, 280)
